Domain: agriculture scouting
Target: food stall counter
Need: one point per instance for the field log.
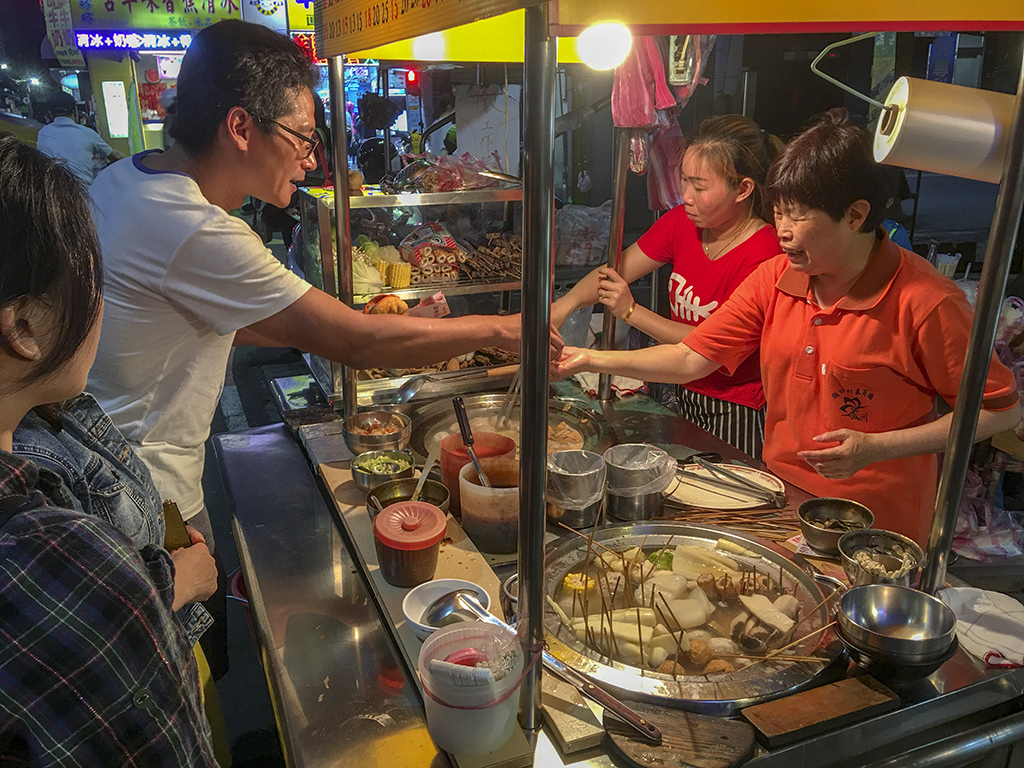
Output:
(341, 690)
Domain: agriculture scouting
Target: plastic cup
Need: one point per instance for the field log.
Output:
(490, 516)
(471, 719)
(454, 457)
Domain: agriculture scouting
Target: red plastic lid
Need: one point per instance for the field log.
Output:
(410, 525)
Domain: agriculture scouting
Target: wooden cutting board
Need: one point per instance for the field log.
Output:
(687, 740)
(809, 713)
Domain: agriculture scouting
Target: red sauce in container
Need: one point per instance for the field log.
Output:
(407, 536)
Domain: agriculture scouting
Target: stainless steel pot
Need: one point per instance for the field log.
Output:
(897, 621)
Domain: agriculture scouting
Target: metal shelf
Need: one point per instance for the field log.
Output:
(435, 198)
(450, 289)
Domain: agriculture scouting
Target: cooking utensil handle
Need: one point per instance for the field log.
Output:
(463, 419)
(738, 480)
(580, 682)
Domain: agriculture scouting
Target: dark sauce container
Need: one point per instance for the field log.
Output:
(407, 536)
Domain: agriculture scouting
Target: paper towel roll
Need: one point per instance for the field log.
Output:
(945, 129)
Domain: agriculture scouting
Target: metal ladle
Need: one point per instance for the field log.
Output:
(449, 607)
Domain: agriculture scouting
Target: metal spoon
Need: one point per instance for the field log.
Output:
(460, 600)
(408, 390)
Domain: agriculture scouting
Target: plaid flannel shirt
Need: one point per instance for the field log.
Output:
(94, 669)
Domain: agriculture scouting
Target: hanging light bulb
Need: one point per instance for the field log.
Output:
(605, 45)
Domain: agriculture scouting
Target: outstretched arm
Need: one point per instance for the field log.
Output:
(672, 363)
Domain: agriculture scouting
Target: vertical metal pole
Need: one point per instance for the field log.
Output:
(604, 387)
(994, 272)
(342, 222)
(538, 252)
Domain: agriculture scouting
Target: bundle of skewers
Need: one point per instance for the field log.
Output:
(773, 524)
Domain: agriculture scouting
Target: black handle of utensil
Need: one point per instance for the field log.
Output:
(463, 418)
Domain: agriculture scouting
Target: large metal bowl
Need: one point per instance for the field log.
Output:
(814, 513)
(897, 621)
(885, 548)
(391, 441)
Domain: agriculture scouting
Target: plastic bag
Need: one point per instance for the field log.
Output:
(575, 479)
(983, 532)
(640, 88)
(581, 235)
(664, 178)
(639, 151)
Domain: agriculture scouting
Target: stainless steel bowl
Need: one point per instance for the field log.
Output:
(897, 621)
(885, 548)
(391, 441)
(400, 490)
(367, 481)
(814, 512)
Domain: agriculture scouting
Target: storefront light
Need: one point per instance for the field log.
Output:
(429, 47)
(604, 46)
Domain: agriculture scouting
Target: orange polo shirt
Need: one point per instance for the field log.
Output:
(873, 363)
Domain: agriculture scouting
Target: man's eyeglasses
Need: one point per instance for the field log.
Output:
(312, 144)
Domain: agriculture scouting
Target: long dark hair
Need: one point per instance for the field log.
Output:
(49, 249)
(735, 147)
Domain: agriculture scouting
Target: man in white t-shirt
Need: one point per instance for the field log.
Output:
(184, 279)
(77, 145)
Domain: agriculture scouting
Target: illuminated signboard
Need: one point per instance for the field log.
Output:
(161, 41)
(135, 15)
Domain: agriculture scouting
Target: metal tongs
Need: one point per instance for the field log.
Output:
(732, 481)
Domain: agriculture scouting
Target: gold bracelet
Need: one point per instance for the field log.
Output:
(629, 313)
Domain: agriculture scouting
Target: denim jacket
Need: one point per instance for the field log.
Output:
(105, 478)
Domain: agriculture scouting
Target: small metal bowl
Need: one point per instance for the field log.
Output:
(882, 546)
(401, 490)
(367, 481)
(899, 622)
(814, 512)
(391, 441)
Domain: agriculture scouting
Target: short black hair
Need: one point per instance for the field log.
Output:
(49, 250)
(62, 103)
(828, 168)
(236, 64)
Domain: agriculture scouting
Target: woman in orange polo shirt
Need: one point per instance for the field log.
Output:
(858, 339)
(714, 240)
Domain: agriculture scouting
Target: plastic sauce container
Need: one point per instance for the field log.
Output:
(471, 719)
(407, 536)
(490, 516)
(454, 457)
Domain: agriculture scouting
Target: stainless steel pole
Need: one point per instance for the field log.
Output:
(538, 251)
(604, 387)
(994, 272)
(342, 222)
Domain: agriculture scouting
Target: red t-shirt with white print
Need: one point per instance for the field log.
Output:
(698, 286)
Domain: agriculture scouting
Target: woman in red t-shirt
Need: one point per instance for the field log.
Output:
(714, 240)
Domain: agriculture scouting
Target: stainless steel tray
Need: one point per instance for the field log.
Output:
(439, 416)
(720, 694)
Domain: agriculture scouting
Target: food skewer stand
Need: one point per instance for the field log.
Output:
(340, 678)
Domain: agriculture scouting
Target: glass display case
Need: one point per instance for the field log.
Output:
(463, 244)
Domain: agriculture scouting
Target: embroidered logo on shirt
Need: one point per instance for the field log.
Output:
(685, 305)
(853, 402)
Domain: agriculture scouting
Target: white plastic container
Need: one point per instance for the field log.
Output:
(471, 719)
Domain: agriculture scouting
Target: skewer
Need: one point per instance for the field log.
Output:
(590, 539)
(783, 657)
(679, 640)
(813, 610)
(773, 655)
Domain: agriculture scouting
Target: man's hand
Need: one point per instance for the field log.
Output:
(613, 292)
(195, 573)
(511, 327)
(853, 452)
(571, 361)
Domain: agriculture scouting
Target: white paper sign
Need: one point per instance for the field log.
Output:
(486, 121)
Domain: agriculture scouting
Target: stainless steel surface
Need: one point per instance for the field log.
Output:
(437, 198)
(437, 418)
(715, 694)
(399, 490)
(453, 288)
(366, 480)
(539, 58)
(994, 272)
(340, 695)
(620, 173)
(342, 222)
(963, 749)
(642, 507)
(880, 545)
(826, 540)
(897, 621)
(392, 441)
(299, 570)
(442, 385)
(582, 517)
